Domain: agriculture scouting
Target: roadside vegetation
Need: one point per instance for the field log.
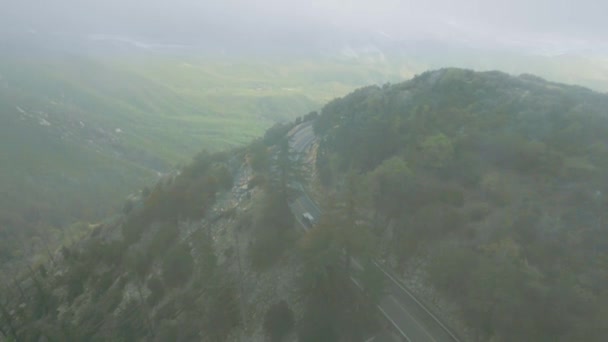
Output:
(492, 186)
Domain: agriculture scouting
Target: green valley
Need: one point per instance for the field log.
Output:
(79, 134)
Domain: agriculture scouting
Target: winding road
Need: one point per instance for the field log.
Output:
(409, 317)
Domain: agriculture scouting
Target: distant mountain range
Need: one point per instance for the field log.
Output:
(572, 61)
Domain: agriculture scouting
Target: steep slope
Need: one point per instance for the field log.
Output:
(50, 178)
(211, 253)
(488, 191)
(79, 133)
(483, 191)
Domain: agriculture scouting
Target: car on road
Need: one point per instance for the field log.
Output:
(308, 219)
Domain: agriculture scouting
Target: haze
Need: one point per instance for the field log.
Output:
(279, 170)
(541, 26)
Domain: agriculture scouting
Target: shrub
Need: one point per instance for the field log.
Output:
(130, 322)
(578, 167)
(223, 176)
(259, 157)
(453, 220)
(139, 262)
(278, 321)
(318, 324)
(478, 212)
(266, 249)
(167, 311)
(495, 188)
(114, 251)
(157, 290)
(437, 151)
(451, 195)
(163, 239)
(133, 229)
(103, 282)
(75, 288)
(275, 133)
(273, 231)
(222, 310)
(199, 165)
(450, 270)
(127, 207)
(520, 154)
(177, 266)
(167, 331)
(466, 170)
(111, 299)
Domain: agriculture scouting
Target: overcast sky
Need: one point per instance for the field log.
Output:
(564, 22)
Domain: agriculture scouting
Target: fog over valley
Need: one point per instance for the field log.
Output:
(539, 27)
(303, 171)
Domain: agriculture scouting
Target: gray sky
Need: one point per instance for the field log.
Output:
(524, 22)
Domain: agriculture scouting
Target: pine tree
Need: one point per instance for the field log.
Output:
(288, 171)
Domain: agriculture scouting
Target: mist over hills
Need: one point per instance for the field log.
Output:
(149, 190)
(441, 44)
(81, 132)
(563, 27)
(483, 192)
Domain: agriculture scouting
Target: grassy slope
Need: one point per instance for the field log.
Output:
(167, 109)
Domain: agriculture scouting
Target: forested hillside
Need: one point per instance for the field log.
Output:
(484, 192)
(211, 253)
(492, 187)
(78, 134)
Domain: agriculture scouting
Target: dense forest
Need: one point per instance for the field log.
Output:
(488, 189)
(211, 253)
(494, 186)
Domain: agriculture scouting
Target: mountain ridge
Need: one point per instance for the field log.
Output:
(471, 187)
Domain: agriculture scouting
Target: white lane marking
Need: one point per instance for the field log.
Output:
(394, 324)
(413, 319)
(356, 283)
(386, 315)
(302, 225)
(314, 206)
(417, 301)
(357, 264)
(300, 145)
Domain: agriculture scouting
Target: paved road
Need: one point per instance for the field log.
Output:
(408, 316)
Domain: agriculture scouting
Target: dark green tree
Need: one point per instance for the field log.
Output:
(278, 321)
(259, 156)
(273, 226)
(177, 265)
(391, 184)
(289, 172)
